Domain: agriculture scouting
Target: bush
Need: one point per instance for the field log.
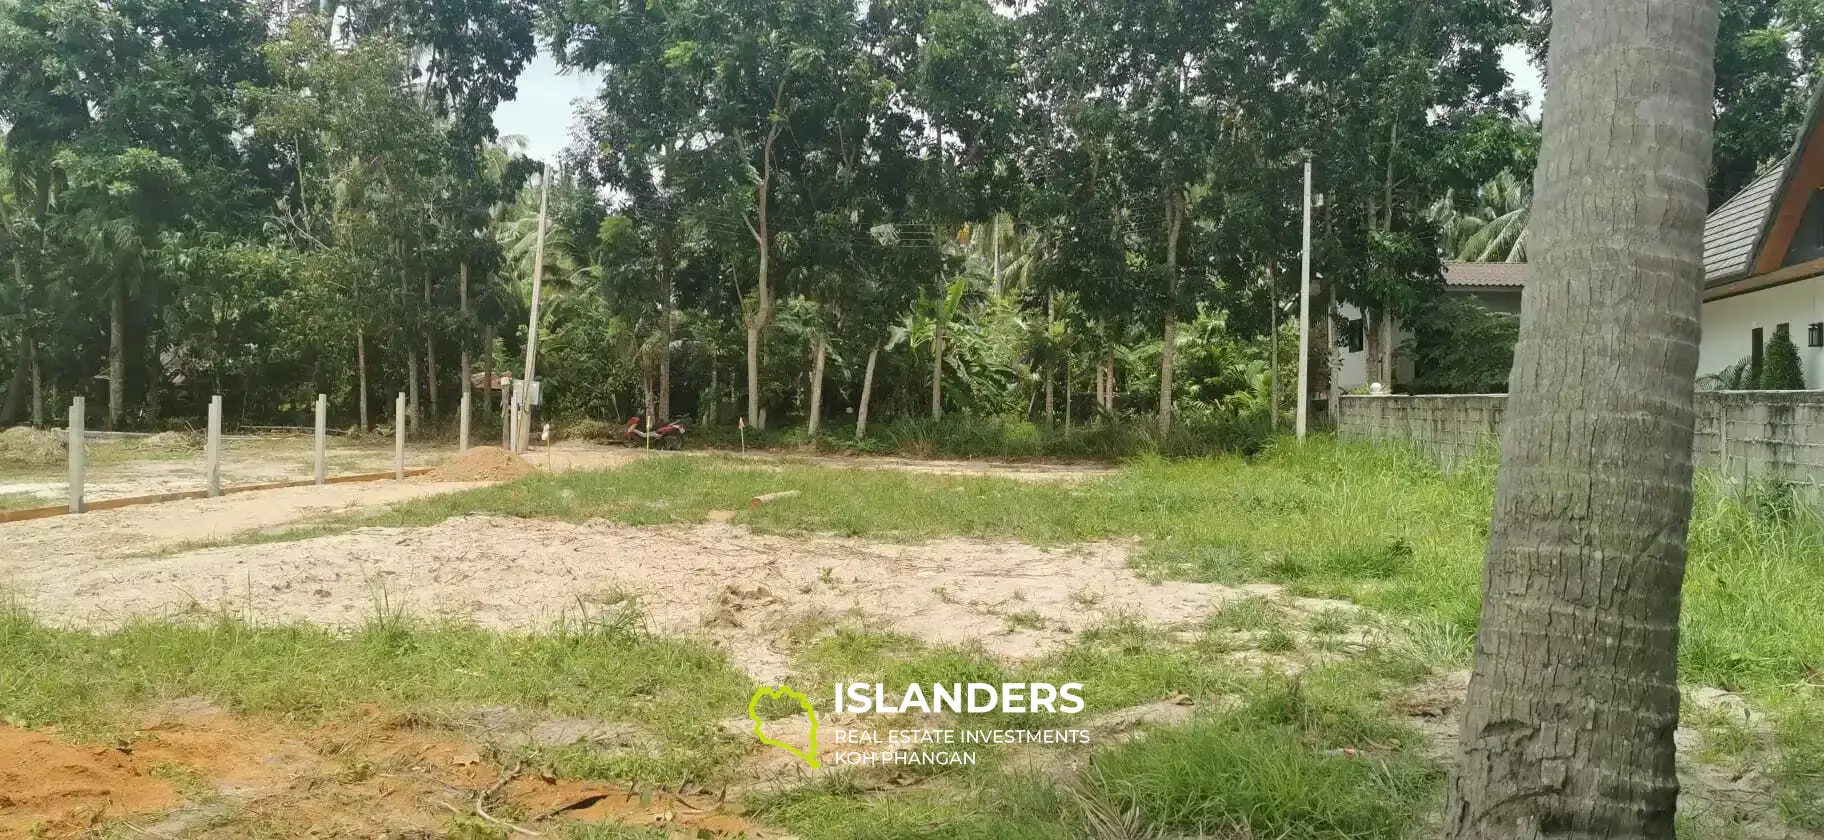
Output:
(594, 431)
(1780, 371)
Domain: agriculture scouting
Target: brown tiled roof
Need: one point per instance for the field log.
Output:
(1505, 274)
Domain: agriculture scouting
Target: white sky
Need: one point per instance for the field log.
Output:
(543, 109)
(542, 112)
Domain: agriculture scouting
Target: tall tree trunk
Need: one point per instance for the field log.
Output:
(1174, 223)
(867, 393)
(816, 424)
(430, 354)
(715, 393)
(411, 390)
(430, 375)
(15, 388)
(37, 387)
(462, 297)
(753, 374)
(937, 363)
(487, 374)
(762, 316)
(155, 377)
(361, 374)
(646, 390)
(671, 317)
(1273, 346)
(1067, 387)
(117, 355)
(1051, 414)
(1568, 728)
(1332, 359)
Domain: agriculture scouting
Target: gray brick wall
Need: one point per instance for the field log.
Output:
(1741, 434)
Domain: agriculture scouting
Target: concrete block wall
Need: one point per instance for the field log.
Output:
(1744, 435)
(1449, 428)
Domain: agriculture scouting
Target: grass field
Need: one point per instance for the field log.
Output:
(1372, 526)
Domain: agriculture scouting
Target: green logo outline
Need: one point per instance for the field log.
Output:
(753, 714)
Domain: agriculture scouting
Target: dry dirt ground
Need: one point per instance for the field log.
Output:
(726, 583)
(123, 468)
(193, 771)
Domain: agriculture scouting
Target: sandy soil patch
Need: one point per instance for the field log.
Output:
(739, 588)
(195, 772)
(482, 463)
(123, 468)
(94, 537)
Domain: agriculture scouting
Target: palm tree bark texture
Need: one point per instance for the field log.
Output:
(1573, 702)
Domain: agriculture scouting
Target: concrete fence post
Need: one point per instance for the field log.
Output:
(322, 474)
(78, 452)
(212, 448)
(462, 434)
(399, 437)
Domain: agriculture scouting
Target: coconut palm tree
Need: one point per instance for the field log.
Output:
(1494, 229)
(1567, 728)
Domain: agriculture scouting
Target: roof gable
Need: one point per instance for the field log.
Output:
(1736, 234)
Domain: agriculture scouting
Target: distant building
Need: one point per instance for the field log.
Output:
(1764, 262)
(1497, 285)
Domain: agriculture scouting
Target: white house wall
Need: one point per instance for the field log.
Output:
(1354, 373)
(1729, 324)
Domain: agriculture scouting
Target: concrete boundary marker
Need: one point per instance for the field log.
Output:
(184, 495)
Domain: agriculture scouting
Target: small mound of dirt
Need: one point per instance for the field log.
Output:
(26, 445)
(483, 463)
(172, 442)
(57, 789)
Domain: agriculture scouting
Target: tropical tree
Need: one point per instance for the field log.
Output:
(1493, 229)
(1573, 701)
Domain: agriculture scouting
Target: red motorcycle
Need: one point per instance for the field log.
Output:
(669, 436)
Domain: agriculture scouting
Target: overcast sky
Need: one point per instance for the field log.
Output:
(542, 112)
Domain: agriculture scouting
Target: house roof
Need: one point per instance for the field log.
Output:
(1733, 233)
(1485, 274)
(1736, 232)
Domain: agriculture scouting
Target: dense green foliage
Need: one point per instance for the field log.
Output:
(1067, 215)
(1460, 346)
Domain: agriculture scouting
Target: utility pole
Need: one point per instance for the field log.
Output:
(1304, 315)
(522, 412)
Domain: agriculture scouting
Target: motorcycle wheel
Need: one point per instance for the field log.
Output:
(672, 442)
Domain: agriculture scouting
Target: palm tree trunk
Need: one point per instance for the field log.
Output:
(867, 392)
(671, 318)
(1568, 728)
(117, 355)
(816, 423)
(361, 374)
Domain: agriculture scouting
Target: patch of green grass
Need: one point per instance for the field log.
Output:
(1263, 770)
(22, 501)
(89, 684)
